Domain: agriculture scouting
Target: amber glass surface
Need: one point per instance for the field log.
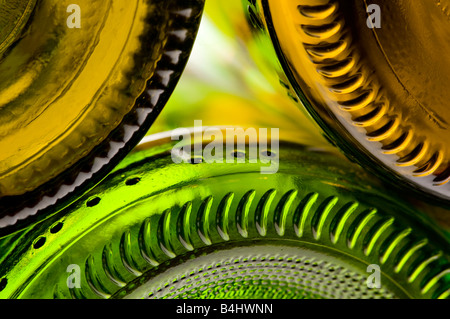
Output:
(79, 86)
(378, 91)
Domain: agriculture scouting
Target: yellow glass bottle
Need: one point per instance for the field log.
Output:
(80, 84)
(373, 75)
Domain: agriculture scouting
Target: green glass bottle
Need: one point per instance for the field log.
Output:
(153, 228)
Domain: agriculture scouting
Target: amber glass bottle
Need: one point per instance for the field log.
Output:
(80, 85)
(373, 75)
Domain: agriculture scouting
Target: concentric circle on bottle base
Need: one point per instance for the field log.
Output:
(374, 78)
(318, 228)
(75, 99)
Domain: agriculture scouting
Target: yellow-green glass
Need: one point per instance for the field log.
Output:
(80, 84)
(156, 229)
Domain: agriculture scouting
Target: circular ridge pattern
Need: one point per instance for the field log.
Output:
(348, 100)
(307, 205)
(276, 272)
(87, 172)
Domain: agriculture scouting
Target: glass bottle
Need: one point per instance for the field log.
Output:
(80, 85)
(154, 228)
(373, 76)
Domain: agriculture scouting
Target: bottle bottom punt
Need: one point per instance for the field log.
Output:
(259, 270)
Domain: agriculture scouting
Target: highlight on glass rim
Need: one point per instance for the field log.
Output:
(238, 150)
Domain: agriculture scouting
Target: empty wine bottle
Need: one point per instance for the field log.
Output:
(80, 85)
(318, 228)
(373, 75)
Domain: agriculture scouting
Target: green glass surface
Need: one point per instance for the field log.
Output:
(156, 229)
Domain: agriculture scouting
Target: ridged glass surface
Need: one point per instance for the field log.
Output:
(311, 229)
(79, 86)
(373, 78)
(153, 228)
